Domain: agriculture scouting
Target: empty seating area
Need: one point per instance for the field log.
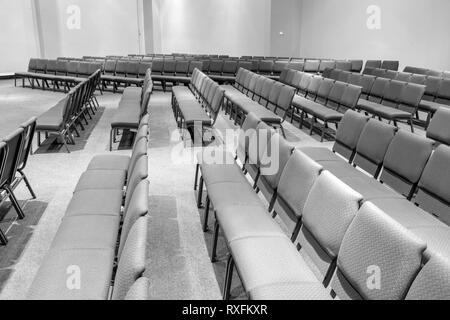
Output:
(340, 222)
(71, 112)
(102, 239)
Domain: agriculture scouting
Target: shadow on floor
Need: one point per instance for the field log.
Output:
(51, 144)
(19, 233)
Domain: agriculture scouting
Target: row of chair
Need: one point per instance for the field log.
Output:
(99, 251)
(437, 91)
(63, 118)
(262, 96)
(14, 152)
(393, 100)
(196, 107)
(427, 72)
(59, 73)
(323, 99)
(339, 239)
(386, 64)
(133, 106)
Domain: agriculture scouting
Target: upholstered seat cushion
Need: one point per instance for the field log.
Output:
(243, 221)
(109, 162)
(430, 106)
(87, 232)
(342, 169)
(52, 119)
(368, 106)
(227, 194)
(96, 202)
(95, 265)
(301, 291)
(406, 213)
(101, 179)
(370, 188)
(269, 261)
(132, 93)
(194, 113)
(392, 113)
(221, 173)
(320, 154)
(126, 119)
(326, 114)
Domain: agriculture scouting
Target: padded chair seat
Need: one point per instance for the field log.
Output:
(109, 162)
(301, 291)
(96, 202)
(326, 114)
(182, 79)
(265, 115)
(223, 78)
(370, 188)
(242, 221)
(51, 120)
(303, 103)
(228, 194)
(320, 154)
(436, 238)
(392, 113)
(269, 261)
(430, 106)
(87, 232)
(368, 106)
(129, 106)
(124, 119)
(193, 112)
(229, 87)
(181, 90)
(222, 173)
(95, 266)
(136, 81)
(101, 179)
(132, 93)
(342, 169)
(406, 213)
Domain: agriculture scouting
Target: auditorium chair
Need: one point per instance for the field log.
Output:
(439, 129)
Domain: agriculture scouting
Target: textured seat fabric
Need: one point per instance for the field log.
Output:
(269, 261)
(320, 154)
(132, 261)
(437, 239)
(439, 129)
(371, 246)
(432, 282)
(222, 173)
(109, 162)
(53, 119)
(96, 202)
(226, 194)
(342, 169)
(370, 188)
(101, 179)
(406, 213)
(243, 221)
(87, 232)
(125, 119)
(434, 186)
(51, 281)
(405, 161)
(139, 290)
(302, 291)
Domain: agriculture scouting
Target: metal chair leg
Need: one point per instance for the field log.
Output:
(200, 193)
(205, 221)
(216, 237)
(3, 238)
(27, 183)
(196, 176)
(228, 278)
(14, 202)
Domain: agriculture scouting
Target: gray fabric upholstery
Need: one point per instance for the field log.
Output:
(320, 154)
(51, 280)
(373, 145)
(434, 185)
(269, 261)
(439, 129)
(244, 221)
(95, 202)
(329, 210)
(301, 291)
(374, 240)
(140, 172)
(101, 179)
(342, 169)
(295, 185)
(370, 188)
(437, 239)
(138, 208)
(87, 232)
(433, 281)
(139, 290)
(132, 261)
(406, 157)
(109, 162)
(226, 194)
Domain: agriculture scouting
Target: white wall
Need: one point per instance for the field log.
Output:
(234, 27)
(108, 27)
(286, 18)
(18, 41)
(412, 31)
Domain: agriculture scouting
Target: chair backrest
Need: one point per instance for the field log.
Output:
(29, 128)
(195, 65)
(373, 64)
(443, 94)
(170, 67)
(439, 129)
(265, 67)
(357, 65)
(312, 66)
(418, 79)
(132, 261)
(403, 76)
(157, 66)
(392, 93)
(344, 65)
(355, 79)
(432, 85)
(379, 73)
(139, 291)
(329, 210)
(324, 91)
(368, 263)
(294, 187)
(348, 133)
(433, 280)
(327, 64)
(296, 65)
(51, 66)
(373, 145)
(246, 134)
(390, 65)
(230, 67)
(335, 96)
(410, 97)
(405, 161)
(367, 83)
(313, 87)
(14, 147)
(284, 102)
(391, 74)
(278, 67)
(378, 88)
(344, 76)
(434, 185)
(274, 95)
(296, 79)
(138, 208)
(334, 74)
(304, 84)
(350, 98)
(139, 173)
